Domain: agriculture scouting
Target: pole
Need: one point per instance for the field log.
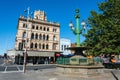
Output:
(24, 66)
(77, 30)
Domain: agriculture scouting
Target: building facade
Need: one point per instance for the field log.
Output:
(43, 38)
(65, 43)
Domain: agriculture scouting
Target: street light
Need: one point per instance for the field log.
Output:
(25, 54)
(77, 30)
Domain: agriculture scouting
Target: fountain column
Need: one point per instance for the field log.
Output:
(77, 31)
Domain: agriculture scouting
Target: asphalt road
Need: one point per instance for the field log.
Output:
(43, 70)
(5, 67)
(28, 67)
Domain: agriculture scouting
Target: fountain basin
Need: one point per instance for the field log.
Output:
(80, 71)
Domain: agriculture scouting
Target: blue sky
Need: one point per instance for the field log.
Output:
(62, 11)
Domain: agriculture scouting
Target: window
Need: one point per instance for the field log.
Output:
(32, 36)
(35, 45)
(67, 46)
(44, 37)
(36, 27)
(20, 46)
(23, 43)
(40, 27)
(47, 29)
(33, 27)
(36, 36)
(24, 35)
(47, 46)
(39, 46)
(31, 45)
(43, 46)
(47, 37)
(54, 46)
(54, 38)
(54, 30)
(44, 29)
(62, 47)
(24, 25)
(40, 37)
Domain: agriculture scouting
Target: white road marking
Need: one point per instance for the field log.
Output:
(5, 69)
(11, 71)
(18, 68)
(53, 79)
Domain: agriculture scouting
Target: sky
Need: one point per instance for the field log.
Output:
(62, 11)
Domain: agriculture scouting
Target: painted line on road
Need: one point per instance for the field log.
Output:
(53, 79)
(5, 69)
(11, 71)
(18, 68)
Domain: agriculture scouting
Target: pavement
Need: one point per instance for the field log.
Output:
(49, 74)
(116, 74)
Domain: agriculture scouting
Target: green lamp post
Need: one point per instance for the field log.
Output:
(78, 30)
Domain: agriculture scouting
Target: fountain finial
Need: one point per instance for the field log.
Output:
(77, 13)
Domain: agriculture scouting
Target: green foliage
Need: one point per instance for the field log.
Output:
(104, 34)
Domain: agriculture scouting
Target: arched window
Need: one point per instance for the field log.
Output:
(54, 38)
(35, 45)
(33, 27)
(20, 46)
(32, 36)
(36, 36)
(47, 46)
(44, 29)
(31, 45)
(24, 25)
(47, 29)
(40, 27)
(47, 37)
(36, 27)
(23, 43)
(40, 37)
(54, 46)
(39, 46)
(43, 46)
(24, 34)
(44, 37)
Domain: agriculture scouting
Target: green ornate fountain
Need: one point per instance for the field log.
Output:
(79, 65)
(79, 58)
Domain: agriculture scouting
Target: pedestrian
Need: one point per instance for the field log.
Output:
(113, 60)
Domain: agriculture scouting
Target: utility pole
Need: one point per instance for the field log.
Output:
(25, 53)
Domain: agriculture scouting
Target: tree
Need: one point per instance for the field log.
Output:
(103, 35)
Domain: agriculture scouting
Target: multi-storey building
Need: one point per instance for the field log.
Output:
(43, 38)
(65, 43)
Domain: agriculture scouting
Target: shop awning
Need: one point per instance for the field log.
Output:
(36, 53)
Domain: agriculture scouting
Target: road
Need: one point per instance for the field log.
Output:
(28, 67)
(6, 67)
(42, 72)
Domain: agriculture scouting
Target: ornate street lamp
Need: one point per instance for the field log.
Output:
(77, 30)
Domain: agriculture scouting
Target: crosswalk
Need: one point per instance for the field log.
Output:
(10, 69)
